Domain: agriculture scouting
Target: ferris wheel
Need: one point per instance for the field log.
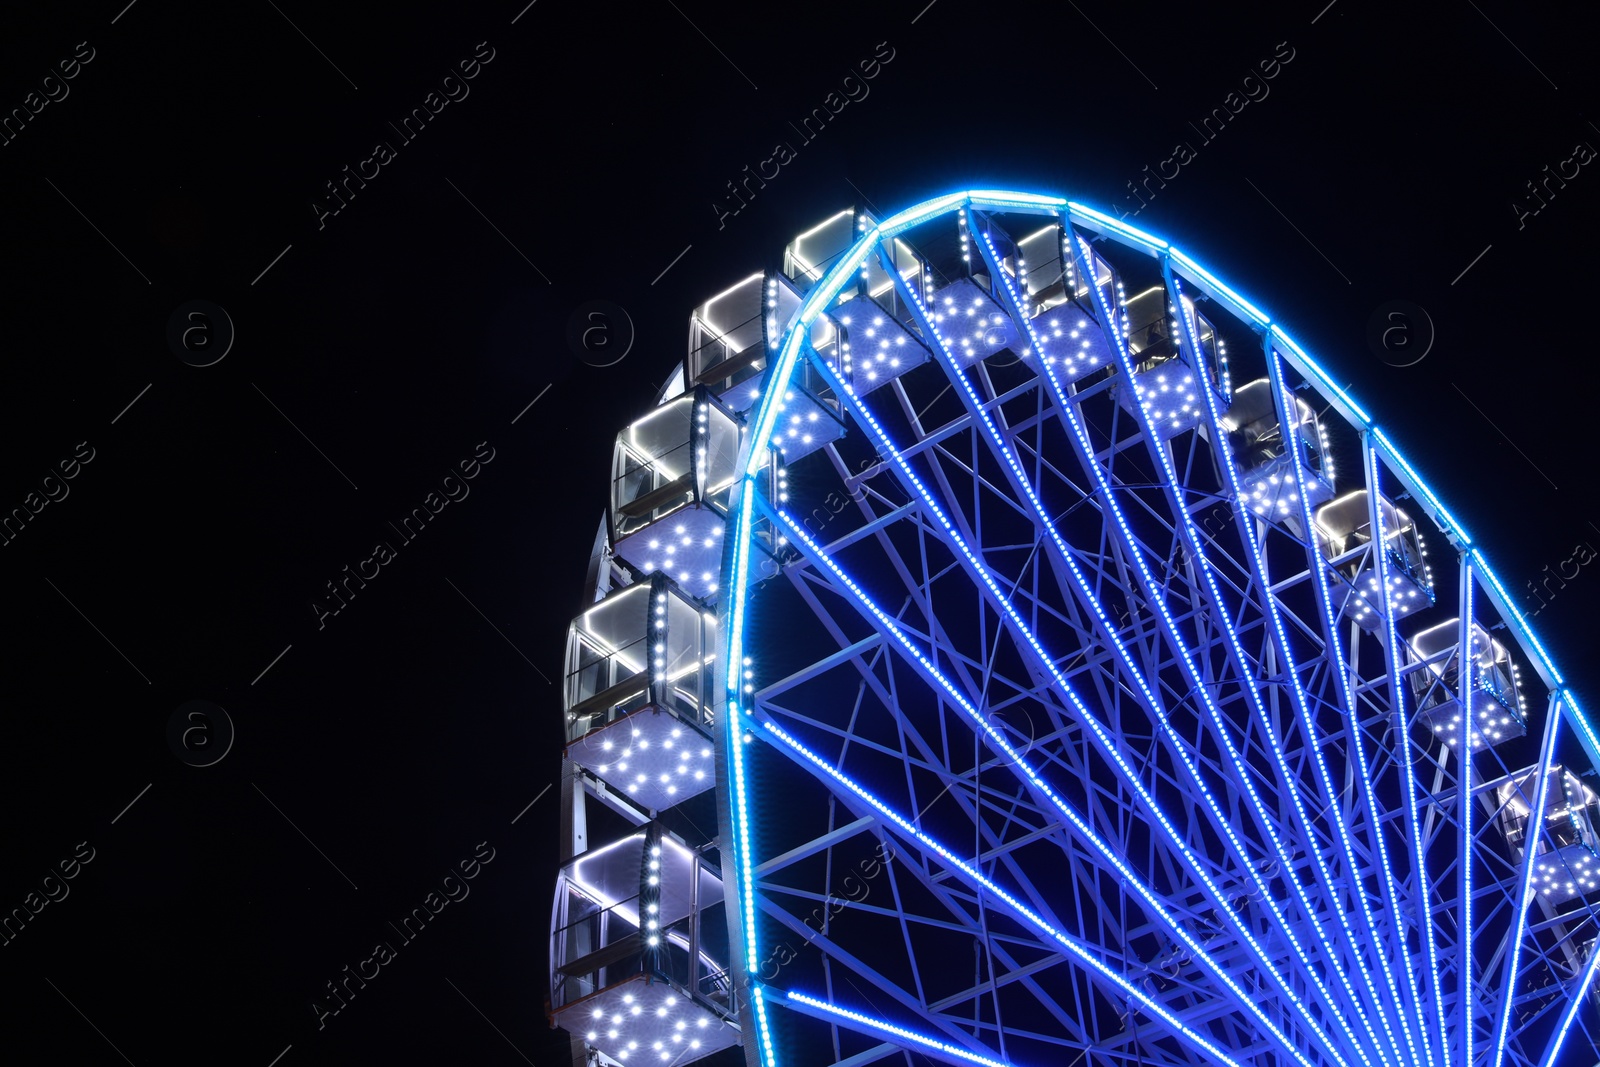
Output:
(1008, 646)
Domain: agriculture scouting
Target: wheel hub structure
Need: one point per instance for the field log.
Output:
(1006, 645)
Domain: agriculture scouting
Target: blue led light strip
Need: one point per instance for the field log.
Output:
(1195, 547)
(1402, 727)
(1316, 565)
(1102, 222)
(765, 419)
(1313, 370)
(942, 1048)
(1002, 746)
(1191, 346)
(732, 731)
(1575, 1001)
(1507, 605)
(1178, 746)
(1440, 512)
(1530, 839)
(1296, 693)
(762, 1025)
(977, 878)
(1466, 988)
(1224, 295)
(1590, 738)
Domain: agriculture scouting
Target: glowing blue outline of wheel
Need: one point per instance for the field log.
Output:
(1179, 270)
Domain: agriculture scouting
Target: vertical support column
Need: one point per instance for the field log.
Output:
(658, 637)
(1466, 992)
(574, 812)
(574, 842)
(650, 900)
(694, 923)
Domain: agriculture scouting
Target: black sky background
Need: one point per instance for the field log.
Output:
(374, 353)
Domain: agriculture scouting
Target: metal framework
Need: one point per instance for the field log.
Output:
(1080, 689)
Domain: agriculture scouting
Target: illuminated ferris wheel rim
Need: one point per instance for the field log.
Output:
(754, 459)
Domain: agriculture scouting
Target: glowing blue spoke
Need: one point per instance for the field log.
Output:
(1179, 746)
(1192, 541)
(1191, 344)
(1402, 730)
(1348, 699)
(1153, 589)
(1530, 847)
(1000, 744)
(755, 456)
(939, 1048)
(1334, 650)
(977, 878)
(1575, 1002)
(1466, 987)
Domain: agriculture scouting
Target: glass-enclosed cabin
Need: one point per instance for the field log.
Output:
(638, 949)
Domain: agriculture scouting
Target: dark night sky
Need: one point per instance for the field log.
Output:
(376, 351)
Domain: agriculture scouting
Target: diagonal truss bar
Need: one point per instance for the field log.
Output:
(1308, 718)
(1060, 553)
(1530, 846)
(735, 819)
(1115, 512)
(910, 736)
(1575, 1002)
(1083, 953)
(1200, 688)
(815, 554)
(1402, 734)
(909, 1039)
(1192, 541)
